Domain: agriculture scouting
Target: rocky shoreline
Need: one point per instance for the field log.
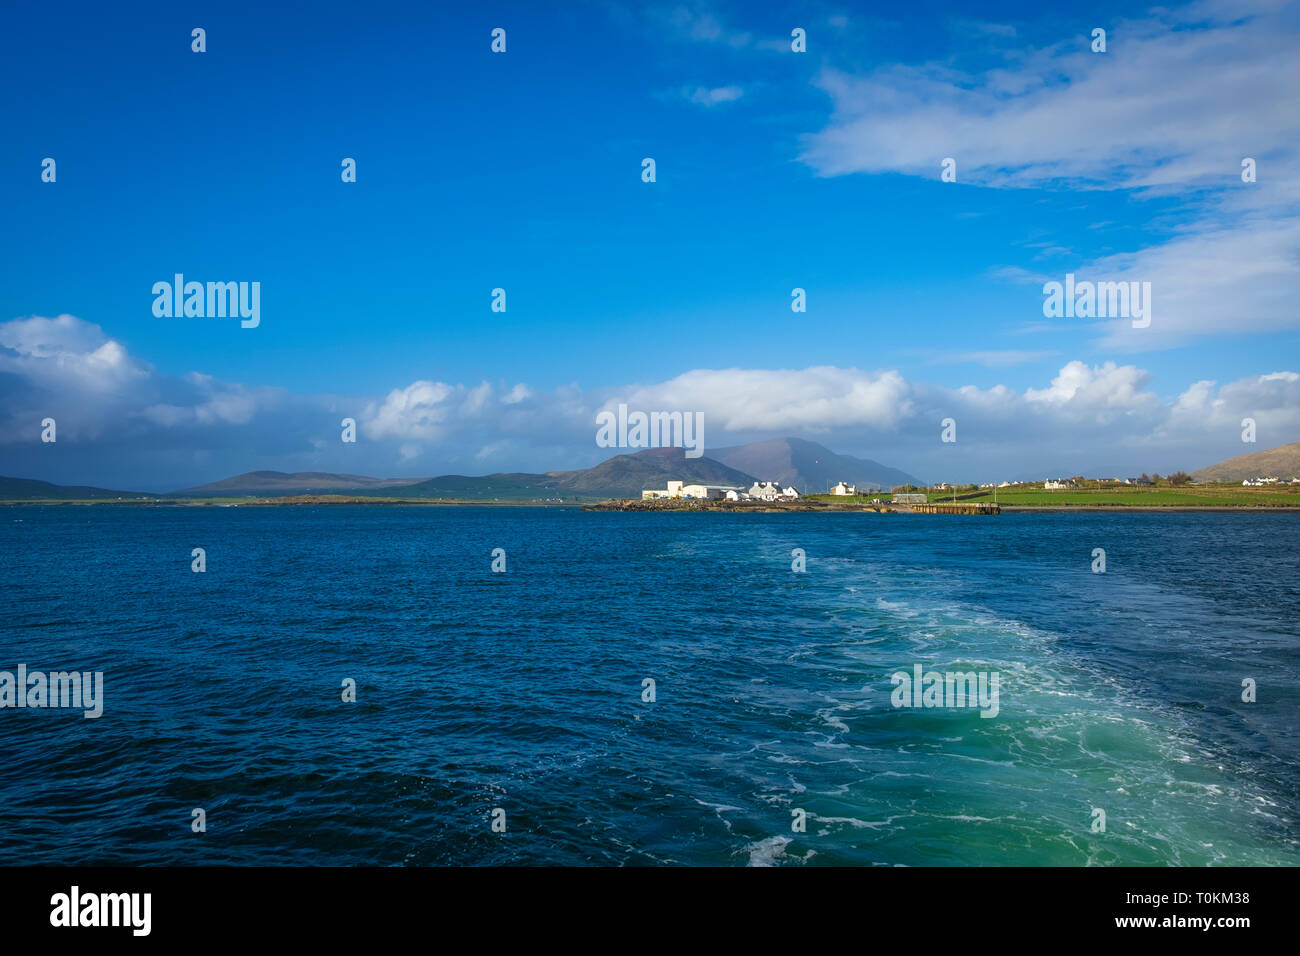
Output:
(805, 505)
(761, 507)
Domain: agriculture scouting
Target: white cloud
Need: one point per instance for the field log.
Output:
(427, 411)
(704, 96)
(1226, 281)
(159, 432)
(701, 25)
(1180, 97)
(1171, 110)
(815, 398)
(1098, 391)
(1273, 400)
(67, 353)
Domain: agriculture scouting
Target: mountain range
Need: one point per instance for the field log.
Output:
(810, 467)
(806, 465)
(620, 477)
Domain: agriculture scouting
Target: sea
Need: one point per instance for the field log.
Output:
(357, 685)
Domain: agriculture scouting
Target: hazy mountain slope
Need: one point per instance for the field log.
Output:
(278, 483)
(627, 475)
(1282, 461)
(504, 486)
(623, 476)
(810, 467)
(24, 488)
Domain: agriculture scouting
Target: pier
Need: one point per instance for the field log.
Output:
(953, 508)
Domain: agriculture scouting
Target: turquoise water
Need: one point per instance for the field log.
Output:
(523, 690)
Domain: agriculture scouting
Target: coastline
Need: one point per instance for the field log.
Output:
(674, 505)
(681, 505)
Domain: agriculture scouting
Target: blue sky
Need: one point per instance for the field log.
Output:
(521, 170)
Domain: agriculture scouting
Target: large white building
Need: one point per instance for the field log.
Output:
(680, 489)
(844, 488)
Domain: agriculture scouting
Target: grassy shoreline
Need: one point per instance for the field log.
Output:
(1220, 498)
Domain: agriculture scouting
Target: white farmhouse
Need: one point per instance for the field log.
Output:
(844, 488)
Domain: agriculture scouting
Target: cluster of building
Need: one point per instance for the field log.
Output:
(762, 491)
(1270, 480)
(759, 491)
(1063, 483)
(773, 491)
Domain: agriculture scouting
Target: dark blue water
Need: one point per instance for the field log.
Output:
(523, 691)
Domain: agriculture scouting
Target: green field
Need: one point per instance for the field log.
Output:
(852, 499)
(1195, 496)
(1211, 496)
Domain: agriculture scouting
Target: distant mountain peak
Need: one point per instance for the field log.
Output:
(810, 467)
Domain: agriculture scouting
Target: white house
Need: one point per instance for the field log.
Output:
(1052, 484)
(844, 488)
(769, 491)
